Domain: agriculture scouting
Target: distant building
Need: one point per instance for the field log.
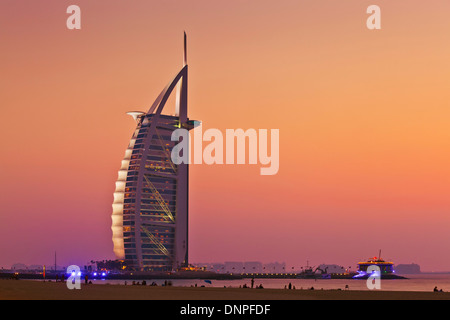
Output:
(218, 267)
(36, 267)
(253, 267)
(234, 267)
(274, 267)
(407, 268)
(19, 266)
(243, 267)
(331, 268)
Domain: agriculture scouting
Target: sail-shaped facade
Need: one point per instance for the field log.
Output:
(150, 208)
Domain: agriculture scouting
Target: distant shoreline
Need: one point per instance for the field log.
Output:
(138, 276)
(132, 276)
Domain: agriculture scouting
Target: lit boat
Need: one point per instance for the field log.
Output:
(386, 268)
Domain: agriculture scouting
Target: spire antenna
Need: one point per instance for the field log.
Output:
(185, 50)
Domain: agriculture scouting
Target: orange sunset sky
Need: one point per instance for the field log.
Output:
(364, 120)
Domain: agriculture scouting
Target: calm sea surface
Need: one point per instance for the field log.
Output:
(423, 282)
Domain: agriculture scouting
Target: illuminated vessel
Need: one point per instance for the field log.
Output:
(386, 268)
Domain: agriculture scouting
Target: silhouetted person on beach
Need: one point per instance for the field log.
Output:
(253, 282)
(290, 286)
(435, 289)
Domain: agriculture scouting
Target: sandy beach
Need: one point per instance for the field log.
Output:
(38, 290)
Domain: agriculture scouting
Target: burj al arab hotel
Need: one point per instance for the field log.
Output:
(150, 209)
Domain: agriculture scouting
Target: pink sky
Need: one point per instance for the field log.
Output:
(363, 118)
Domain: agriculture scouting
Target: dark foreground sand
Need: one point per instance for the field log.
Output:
(30, 290)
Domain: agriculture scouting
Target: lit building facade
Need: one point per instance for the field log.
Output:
(150, 208)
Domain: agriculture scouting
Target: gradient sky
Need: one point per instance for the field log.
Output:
(364, 119)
